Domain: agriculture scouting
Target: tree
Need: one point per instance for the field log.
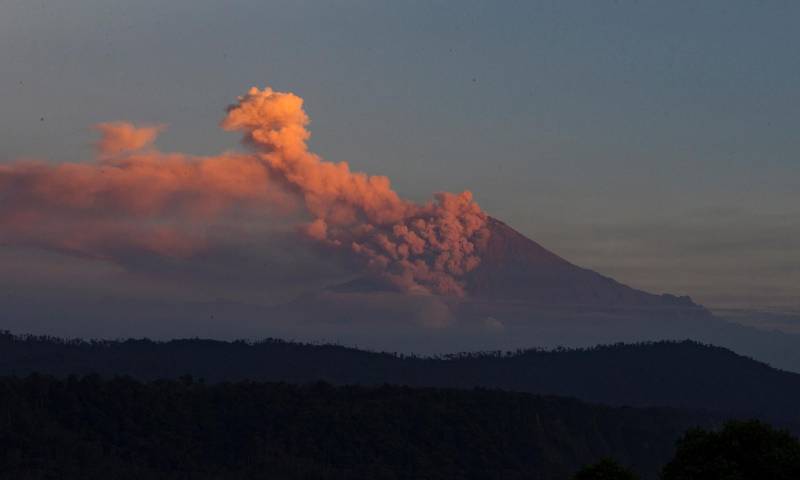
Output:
(605, 469)
(741, 450)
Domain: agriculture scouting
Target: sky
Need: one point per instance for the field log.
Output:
(655, 142)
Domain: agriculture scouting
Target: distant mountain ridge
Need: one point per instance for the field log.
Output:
(672, 374)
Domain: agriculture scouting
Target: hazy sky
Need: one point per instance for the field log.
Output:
(656, 142)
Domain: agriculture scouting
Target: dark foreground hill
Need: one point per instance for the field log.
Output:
(673, 374)
(90, 428)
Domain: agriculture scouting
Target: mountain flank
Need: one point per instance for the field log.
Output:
(514, 267)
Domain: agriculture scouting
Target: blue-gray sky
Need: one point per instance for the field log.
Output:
(656, 142)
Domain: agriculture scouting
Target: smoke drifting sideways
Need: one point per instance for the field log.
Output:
(133, 198)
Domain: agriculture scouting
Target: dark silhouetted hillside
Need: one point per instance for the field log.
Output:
(674, 374)
(91, 428)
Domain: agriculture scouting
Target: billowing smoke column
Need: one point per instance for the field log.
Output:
(137, 198)
(423, 248)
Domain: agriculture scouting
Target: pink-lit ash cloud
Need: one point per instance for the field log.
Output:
(135, 198)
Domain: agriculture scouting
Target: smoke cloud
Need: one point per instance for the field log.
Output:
(120, 137)
(134, 198)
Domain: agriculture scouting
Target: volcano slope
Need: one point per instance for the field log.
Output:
(515, 268)
(523, 295)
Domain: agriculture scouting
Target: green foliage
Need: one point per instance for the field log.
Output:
(605, 469)
(742, 450)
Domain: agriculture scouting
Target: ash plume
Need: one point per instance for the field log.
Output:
(134, 198)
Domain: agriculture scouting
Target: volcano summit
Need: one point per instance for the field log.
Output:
(516, 268)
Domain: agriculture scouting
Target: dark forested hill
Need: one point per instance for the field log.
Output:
(675, 374)
(91, 428)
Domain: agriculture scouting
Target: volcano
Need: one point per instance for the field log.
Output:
(515, 268)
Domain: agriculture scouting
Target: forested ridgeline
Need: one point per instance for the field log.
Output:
(90, 427)
(676, 374)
